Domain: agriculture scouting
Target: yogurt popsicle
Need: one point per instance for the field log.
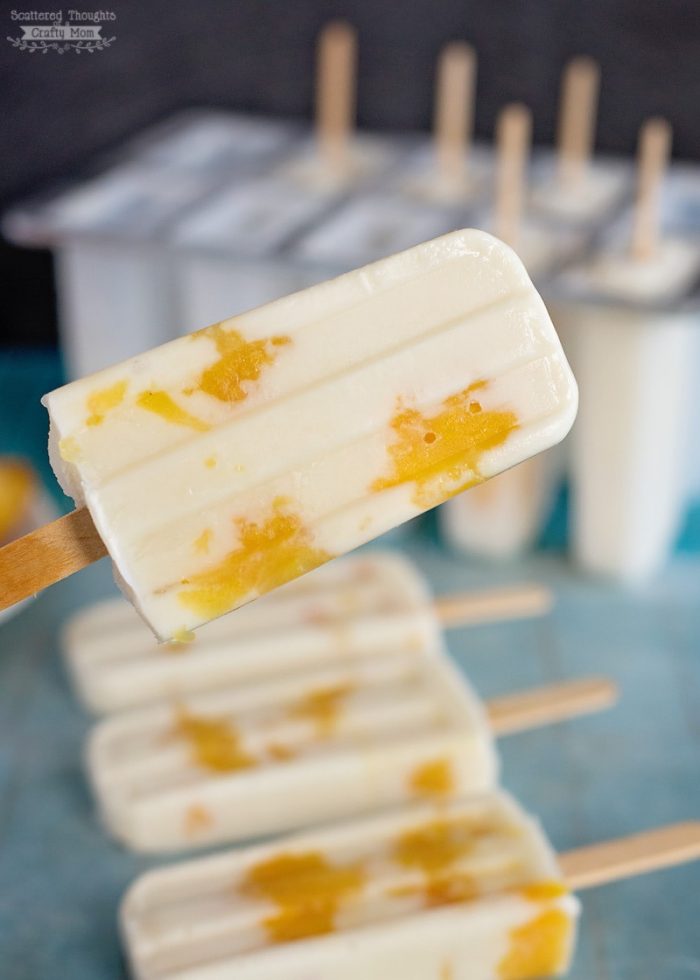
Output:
(629, 450)
(347, 736)
(504, 516)
(223, 464)
(358, 607)
(472, 890)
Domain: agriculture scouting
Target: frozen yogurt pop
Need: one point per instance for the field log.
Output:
(472, 891)
(630, 320)
(359, 607)
(504, 516)
(226, 463)
(347, 736)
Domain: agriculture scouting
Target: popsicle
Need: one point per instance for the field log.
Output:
(573, 187)
(347, 736)
(633, 301)
(360, 606)
(503, 517)
(473, 891)
(226, 463)
(680, 207)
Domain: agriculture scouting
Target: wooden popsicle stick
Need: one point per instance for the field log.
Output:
(614, 860)
(47, 555)
(577, 119)
(335, 93)
(515, 602)
(453, 116)
(652, 160)
(547, 705)
(513, 134)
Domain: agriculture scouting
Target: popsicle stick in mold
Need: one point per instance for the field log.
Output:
(513, 134)
(335, 94)
(454, 111)
(652, 161)
(577, 120)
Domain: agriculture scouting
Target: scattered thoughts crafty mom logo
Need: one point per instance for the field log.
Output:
(48, 30)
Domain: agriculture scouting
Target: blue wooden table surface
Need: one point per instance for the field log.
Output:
(633, 767)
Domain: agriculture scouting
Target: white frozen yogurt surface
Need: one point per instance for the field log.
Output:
(225, 463)
(355, 901)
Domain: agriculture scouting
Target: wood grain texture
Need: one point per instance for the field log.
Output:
(47, 555)
(664, 847)
(549, 704)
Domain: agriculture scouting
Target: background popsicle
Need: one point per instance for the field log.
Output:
(629, 321)
(310, 745)
(363, 605)
(400, 881)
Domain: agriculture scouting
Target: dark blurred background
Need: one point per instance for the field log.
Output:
(58, 111)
